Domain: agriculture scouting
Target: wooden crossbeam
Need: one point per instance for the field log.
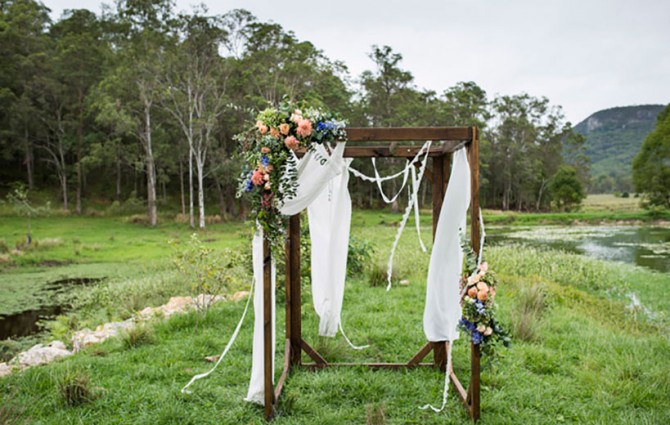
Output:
(391, 134)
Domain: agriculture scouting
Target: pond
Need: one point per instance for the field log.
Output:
(643, 246)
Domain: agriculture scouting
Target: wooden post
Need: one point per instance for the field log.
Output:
(293, 291)
(475, 235)
(474, 390)
(268, 360)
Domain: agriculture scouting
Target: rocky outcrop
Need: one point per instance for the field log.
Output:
(42, 354)
(86, 337)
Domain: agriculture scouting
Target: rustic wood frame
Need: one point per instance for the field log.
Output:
(451, 138)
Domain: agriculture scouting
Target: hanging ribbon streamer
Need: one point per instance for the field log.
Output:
(230, 344)
(445, 392)
(355, 347)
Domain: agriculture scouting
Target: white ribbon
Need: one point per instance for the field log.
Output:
(225, 350)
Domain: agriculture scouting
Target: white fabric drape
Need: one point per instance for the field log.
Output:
(315, 170)
(442, 311)
(329, 225)
(257, 382)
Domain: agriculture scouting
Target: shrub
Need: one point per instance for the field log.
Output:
(75, 389)
(360, 253)
(137, 335)
(525, 318)
(378, 274)
(4, 248)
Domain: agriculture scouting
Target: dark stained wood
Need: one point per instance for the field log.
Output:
(462, 394)
(473, 159)
(440, 354)
(267, 330)
(423, 352)
(284, 374)
(447, 171)
(474, 389)
(438, 194)
(357, 134)
(313, 353)
(390, 151)
(394, 366)
(294, 293)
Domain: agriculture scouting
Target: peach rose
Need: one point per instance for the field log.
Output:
(257, 178)
(292, 143)
(284, 129)
(482, 286)
(488, 331)
(268, 186)
(265, 149)
(266, 177)
(472, 292)
(274, 133)
(304, 128)
(475, 278)
(262, 128)
(482, 295)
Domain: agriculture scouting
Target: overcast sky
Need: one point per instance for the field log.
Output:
(584, 55)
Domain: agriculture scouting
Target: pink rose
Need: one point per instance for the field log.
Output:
(484, 267)
(482, 286)
(266, 177)
(267, 186)
(274, 133)
(292, 143)
(304, 128)
(284, 129)
(257, 178)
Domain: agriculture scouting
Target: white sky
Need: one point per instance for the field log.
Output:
(585, 55)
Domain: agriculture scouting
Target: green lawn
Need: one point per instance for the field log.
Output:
(593, 359)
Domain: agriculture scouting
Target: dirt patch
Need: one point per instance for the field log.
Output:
(53, 263)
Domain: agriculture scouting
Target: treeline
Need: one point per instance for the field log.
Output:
(142, 102)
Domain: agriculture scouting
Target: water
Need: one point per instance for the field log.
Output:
(28, 322)
(644, 246)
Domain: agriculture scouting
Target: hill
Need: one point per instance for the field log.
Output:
(613, 137)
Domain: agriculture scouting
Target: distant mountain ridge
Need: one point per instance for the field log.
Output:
(613, 138)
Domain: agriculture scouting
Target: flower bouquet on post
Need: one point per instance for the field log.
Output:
(478, 291)
(270, 174)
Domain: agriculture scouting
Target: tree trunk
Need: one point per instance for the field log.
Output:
(28, 159)
(118, 176)
(151, 168)
(201, 193)
(181, 187)
(191, 217)
(78, 193)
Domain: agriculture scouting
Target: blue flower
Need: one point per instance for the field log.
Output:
(249, 186)
(467, 324)
(265, 161)
(477, 337)
(480, 307)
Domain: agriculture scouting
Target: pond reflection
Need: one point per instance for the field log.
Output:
(644, 246)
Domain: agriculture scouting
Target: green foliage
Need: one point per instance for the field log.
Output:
(74, 388)
(359, 256)
(651, 166)
(567, 192)
(528, 311)
(377, 274)
(613, 137)
(140, 334)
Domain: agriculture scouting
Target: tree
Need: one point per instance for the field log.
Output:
(567, 192)
(193, 92)
(651, 166)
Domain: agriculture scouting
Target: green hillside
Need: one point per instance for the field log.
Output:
(613, 137)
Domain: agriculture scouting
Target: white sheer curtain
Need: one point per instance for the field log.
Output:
(315, 170)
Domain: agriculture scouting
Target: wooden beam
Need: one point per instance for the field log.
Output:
(284, 374)
(440, 354)
(293, 293)
(475, 383)
(394, 366)
(462, 394)
(423, 352)
(473, 159)
(357, 134)
(268, 360)
(313, 353)
(438, 193)
(388, 151)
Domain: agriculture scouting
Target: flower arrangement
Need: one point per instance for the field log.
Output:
(269, 175)
(478, 291)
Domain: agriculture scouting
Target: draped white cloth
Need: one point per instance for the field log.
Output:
(329, 224)
(315, 170)
(442, 311)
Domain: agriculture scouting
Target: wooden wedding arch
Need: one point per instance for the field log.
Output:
(367, 143)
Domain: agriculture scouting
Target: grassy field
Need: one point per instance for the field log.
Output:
(585, 356)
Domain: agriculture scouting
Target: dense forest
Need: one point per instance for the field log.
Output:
(140, 105)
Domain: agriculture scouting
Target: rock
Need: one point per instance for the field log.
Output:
(5, 369)
(181, 305)
(404, 282)
(86, 337)
(240, 295)
(40, 354)
(212, 359)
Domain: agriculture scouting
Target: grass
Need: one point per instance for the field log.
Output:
(591, 358)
